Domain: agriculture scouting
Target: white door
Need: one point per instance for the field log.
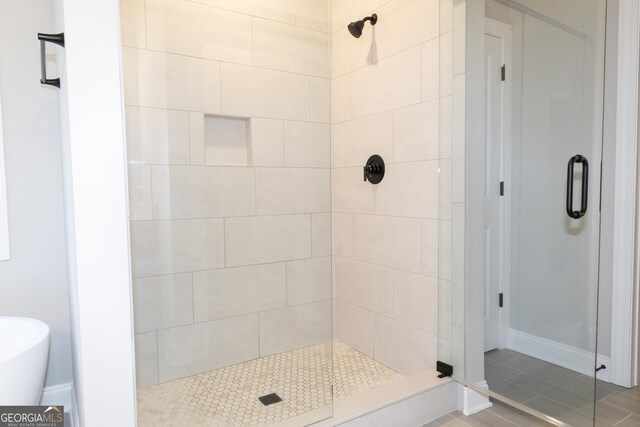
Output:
(495, 184)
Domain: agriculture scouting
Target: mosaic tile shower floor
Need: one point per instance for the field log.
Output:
(229, 396)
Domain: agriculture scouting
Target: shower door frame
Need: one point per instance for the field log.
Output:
(625, 323)
(625, 319)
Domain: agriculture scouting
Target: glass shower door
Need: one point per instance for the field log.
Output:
(544, 74)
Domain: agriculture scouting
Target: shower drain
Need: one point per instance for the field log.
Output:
(270, 399)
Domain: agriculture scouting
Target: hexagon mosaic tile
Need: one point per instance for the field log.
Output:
(229, 396)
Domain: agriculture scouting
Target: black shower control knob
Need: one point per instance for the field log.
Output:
(374, 169)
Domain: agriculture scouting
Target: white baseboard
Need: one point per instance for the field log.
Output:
(557, 353)
(64, 395)
(470, 401)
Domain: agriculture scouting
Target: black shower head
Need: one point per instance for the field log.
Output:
(355, 28)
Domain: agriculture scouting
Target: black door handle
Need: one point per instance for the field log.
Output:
(48, 38)
(585, 186)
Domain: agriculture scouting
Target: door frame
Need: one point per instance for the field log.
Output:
(625, 322)
(504, 31)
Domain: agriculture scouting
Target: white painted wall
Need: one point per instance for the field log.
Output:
(95, 189)
(33, 283)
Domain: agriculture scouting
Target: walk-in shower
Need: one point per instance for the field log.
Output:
(274, 285)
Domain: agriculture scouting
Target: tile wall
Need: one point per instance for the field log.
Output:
(391, 96)
(231, 244)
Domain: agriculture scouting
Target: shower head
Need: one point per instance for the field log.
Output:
(355, 28)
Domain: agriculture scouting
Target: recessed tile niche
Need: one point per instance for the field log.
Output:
(226, 141)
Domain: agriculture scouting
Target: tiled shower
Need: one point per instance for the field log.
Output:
(230, 172)
(253, 232)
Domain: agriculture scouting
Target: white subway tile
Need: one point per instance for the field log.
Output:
(160, 80)
(291, 48)
(312, 24)
(431, 70)
(404, 349)
(308, 280)
(350, 53)
(349, 192)
(445, 315)
(140, 202)
(132, 23)
(342, 234)
(388, 241)
(394, 82)
(267, 142)
(320, 108)
(415, 132)
(341, 99)
(185, 192)
(355, 140)
(146, 359)
(307, 145)
(162, 302)
(445, 189)
(445, 249)
(290, 191)
(354, 327)
(202, 347)
(157, 136)
(234, 291)
(254, 8)
(196, 138)
(295, 327)
(169, 247)
(446, 64)
(192, 29)
(258, 92)
(321, 234)
(368, 286)
(430, 239)
(263, 239)
(408, 189)
(416, 301)
(446, 16)
(405, 23)
(445, 131)
(284, 11)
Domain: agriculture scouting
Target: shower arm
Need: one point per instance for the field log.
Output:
(373, 18)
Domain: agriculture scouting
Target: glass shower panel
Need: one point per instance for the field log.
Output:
(533, 90)
(228, 139)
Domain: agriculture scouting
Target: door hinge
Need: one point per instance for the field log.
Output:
(501, 300)
(502, 188)
(503, 71)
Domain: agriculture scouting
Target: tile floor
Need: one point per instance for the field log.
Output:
(550, 389)
(229, 396)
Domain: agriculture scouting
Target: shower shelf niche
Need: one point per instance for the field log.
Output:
(226, 141)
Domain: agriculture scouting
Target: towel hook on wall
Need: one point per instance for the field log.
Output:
(51, 38)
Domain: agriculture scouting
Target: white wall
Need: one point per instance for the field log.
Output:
(95, 190)
(33, 283)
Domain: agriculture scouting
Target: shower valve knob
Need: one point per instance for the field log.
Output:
(374, 169)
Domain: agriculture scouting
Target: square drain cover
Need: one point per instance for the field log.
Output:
(270, 399)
